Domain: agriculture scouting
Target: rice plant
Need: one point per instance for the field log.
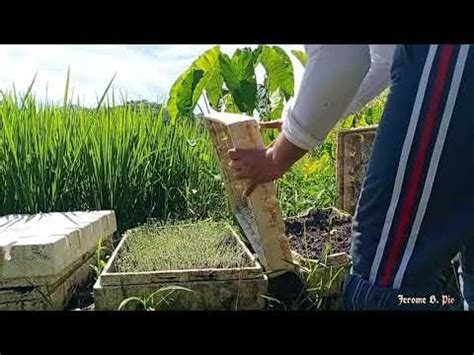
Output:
(125, 158)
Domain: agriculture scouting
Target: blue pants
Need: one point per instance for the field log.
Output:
(416, 208)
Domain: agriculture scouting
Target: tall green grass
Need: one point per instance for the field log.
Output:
(124, 158)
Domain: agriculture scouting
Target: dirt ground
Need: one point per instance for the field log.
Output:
(317, 230)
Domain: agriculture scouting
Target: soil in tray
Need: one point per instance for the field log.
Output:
(199, 245)
(319, 229)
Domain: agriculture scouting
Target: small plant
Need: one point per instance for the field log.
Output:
(156, 301)
(102, 254)
(320, 278)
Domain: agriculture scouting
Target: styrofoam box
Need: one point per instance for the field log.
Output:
(46, 248)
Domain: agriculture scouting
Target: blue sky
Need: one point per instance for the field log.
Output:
(143, 71)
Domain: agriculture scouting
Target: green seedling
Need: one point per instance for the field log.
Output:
(201, 245)
(150, 303)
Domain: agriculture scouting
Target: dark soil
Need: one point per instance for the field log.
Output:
(309, 234)
(83, 298)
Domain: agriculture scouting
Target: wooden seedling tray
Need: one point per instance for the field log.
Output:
(235, 288)
(259, 215)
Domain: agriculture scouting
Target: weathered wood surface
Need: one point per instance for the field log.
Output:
(353, 153)
(32, 295)
(228, 295)
(259, 215)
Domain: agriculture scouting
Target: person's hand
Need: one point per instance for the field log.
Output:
(258, 166)
(255, 165)
(275, 124)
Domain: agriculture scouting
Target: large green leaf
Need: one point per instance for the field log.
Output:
(263, 102)
(212, 80)
(279, 70)
(213, 87)
(239, 77)
(256, 54)
(176, 90)
(181, 103)
(277, 104)
(229, 104)
(301, 56)
(188, 88)
(269, 107)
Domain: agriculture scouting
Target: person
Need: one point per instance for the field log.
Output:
(414, 213)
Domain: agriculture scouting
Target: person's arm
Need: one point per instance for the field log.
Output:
(376, 81)
(332, 77)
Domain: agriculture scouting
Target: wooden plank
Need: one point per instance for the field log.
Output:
(208, 295)
(222, 143)
(259, 215)
(152, 277)
(353, 152)
(111, 277)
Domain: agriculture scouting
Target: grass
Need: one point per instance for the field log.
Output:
(158, 300)
(102, 254)
(205, 244)
(129, 159)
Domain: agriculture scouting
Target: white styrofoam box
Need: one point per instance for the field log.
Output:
(44, 244)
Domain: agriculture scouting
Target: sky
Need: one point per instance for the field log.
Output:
(143, 71)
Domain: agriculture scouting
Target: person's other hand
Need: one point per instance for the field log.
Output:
(275, 124)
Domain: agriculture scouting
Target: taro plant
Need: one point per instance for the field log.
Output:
(229, 83)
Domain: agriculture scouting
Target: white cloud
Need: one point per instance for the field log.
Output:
(143, 71)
